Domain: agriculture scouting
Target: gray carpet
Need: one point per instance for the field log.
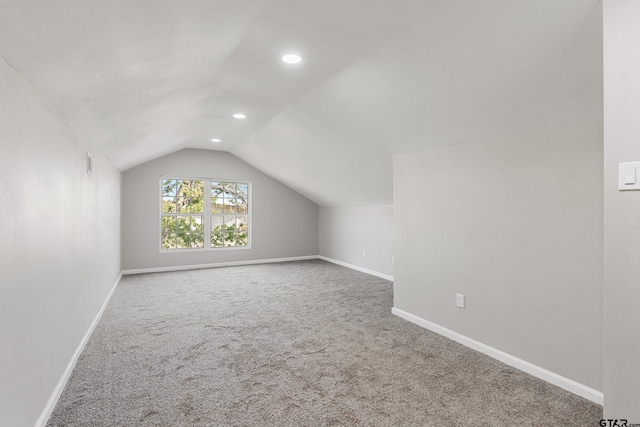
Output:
(291, 344)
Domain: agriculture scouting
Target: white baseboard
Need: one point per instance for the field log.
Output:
(217, 264)
(551, 377)
(257, 261)
(53, 400)
(355, 267)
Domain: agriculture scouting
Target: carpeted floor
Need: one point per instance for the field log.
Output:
(292, 344)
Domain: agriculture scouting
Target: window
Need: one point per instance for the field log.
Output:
(182, 214)
(199, 214)
(229, 214)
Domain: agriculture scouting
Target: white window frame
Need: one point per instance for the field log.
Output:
(207, 215)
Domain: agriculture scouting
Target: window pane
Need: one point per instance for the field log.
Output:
(216, 197)
(233, 206)
(230, 229)
(242, 202)
(186, 188)
(197, 188)
(216, 232)
(216, 206)
(197, 224)
(216, 188)
(169, 187)
(197, 204)
(216, 222)
(242, 234)
(168, 225)
(183, 225)
(229, 238)
(179, 189)
(197, 240)
(242, 198)
(228, 194)
(197, 197)
(182, 205)
(168, 205)
(229, 222)
(168, 228)
(243, 190)
(183, 241)
(169, 242)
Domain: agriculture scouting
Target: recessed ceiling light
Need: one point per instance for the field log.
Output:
(291, 59)
(239, 116)
(215, 140)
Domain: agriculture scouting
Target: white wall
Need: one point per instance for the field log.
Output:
(59, 246)
(514, 224)
(345, 232)
(622, 211)
(284, 223)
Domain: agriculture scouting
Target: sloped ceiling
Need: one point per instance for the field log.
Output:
(143, 78)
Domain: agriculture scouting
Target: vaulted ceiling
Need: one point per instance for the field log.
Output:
(143, 78)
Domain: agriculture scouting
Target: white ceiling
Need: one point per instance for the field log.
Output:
(143, 78)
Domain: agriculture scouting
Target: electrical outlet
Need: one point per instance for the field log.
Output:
(392, 260)
(364, 252)
(460, 300)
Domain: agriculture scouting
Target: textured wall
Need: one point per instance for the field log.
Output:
(59, 246)
(622, 211)
(284, 223)
(515, 224)
(345, 232)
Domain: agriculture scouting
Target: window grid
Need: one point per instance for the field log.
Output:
(198, 214)
(229, 214)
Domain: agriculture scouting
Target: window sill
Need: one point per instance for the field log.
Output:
(195, 250)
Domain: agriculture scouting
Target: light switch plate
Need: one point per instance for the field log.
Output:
(460, 300)
(629, 176)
